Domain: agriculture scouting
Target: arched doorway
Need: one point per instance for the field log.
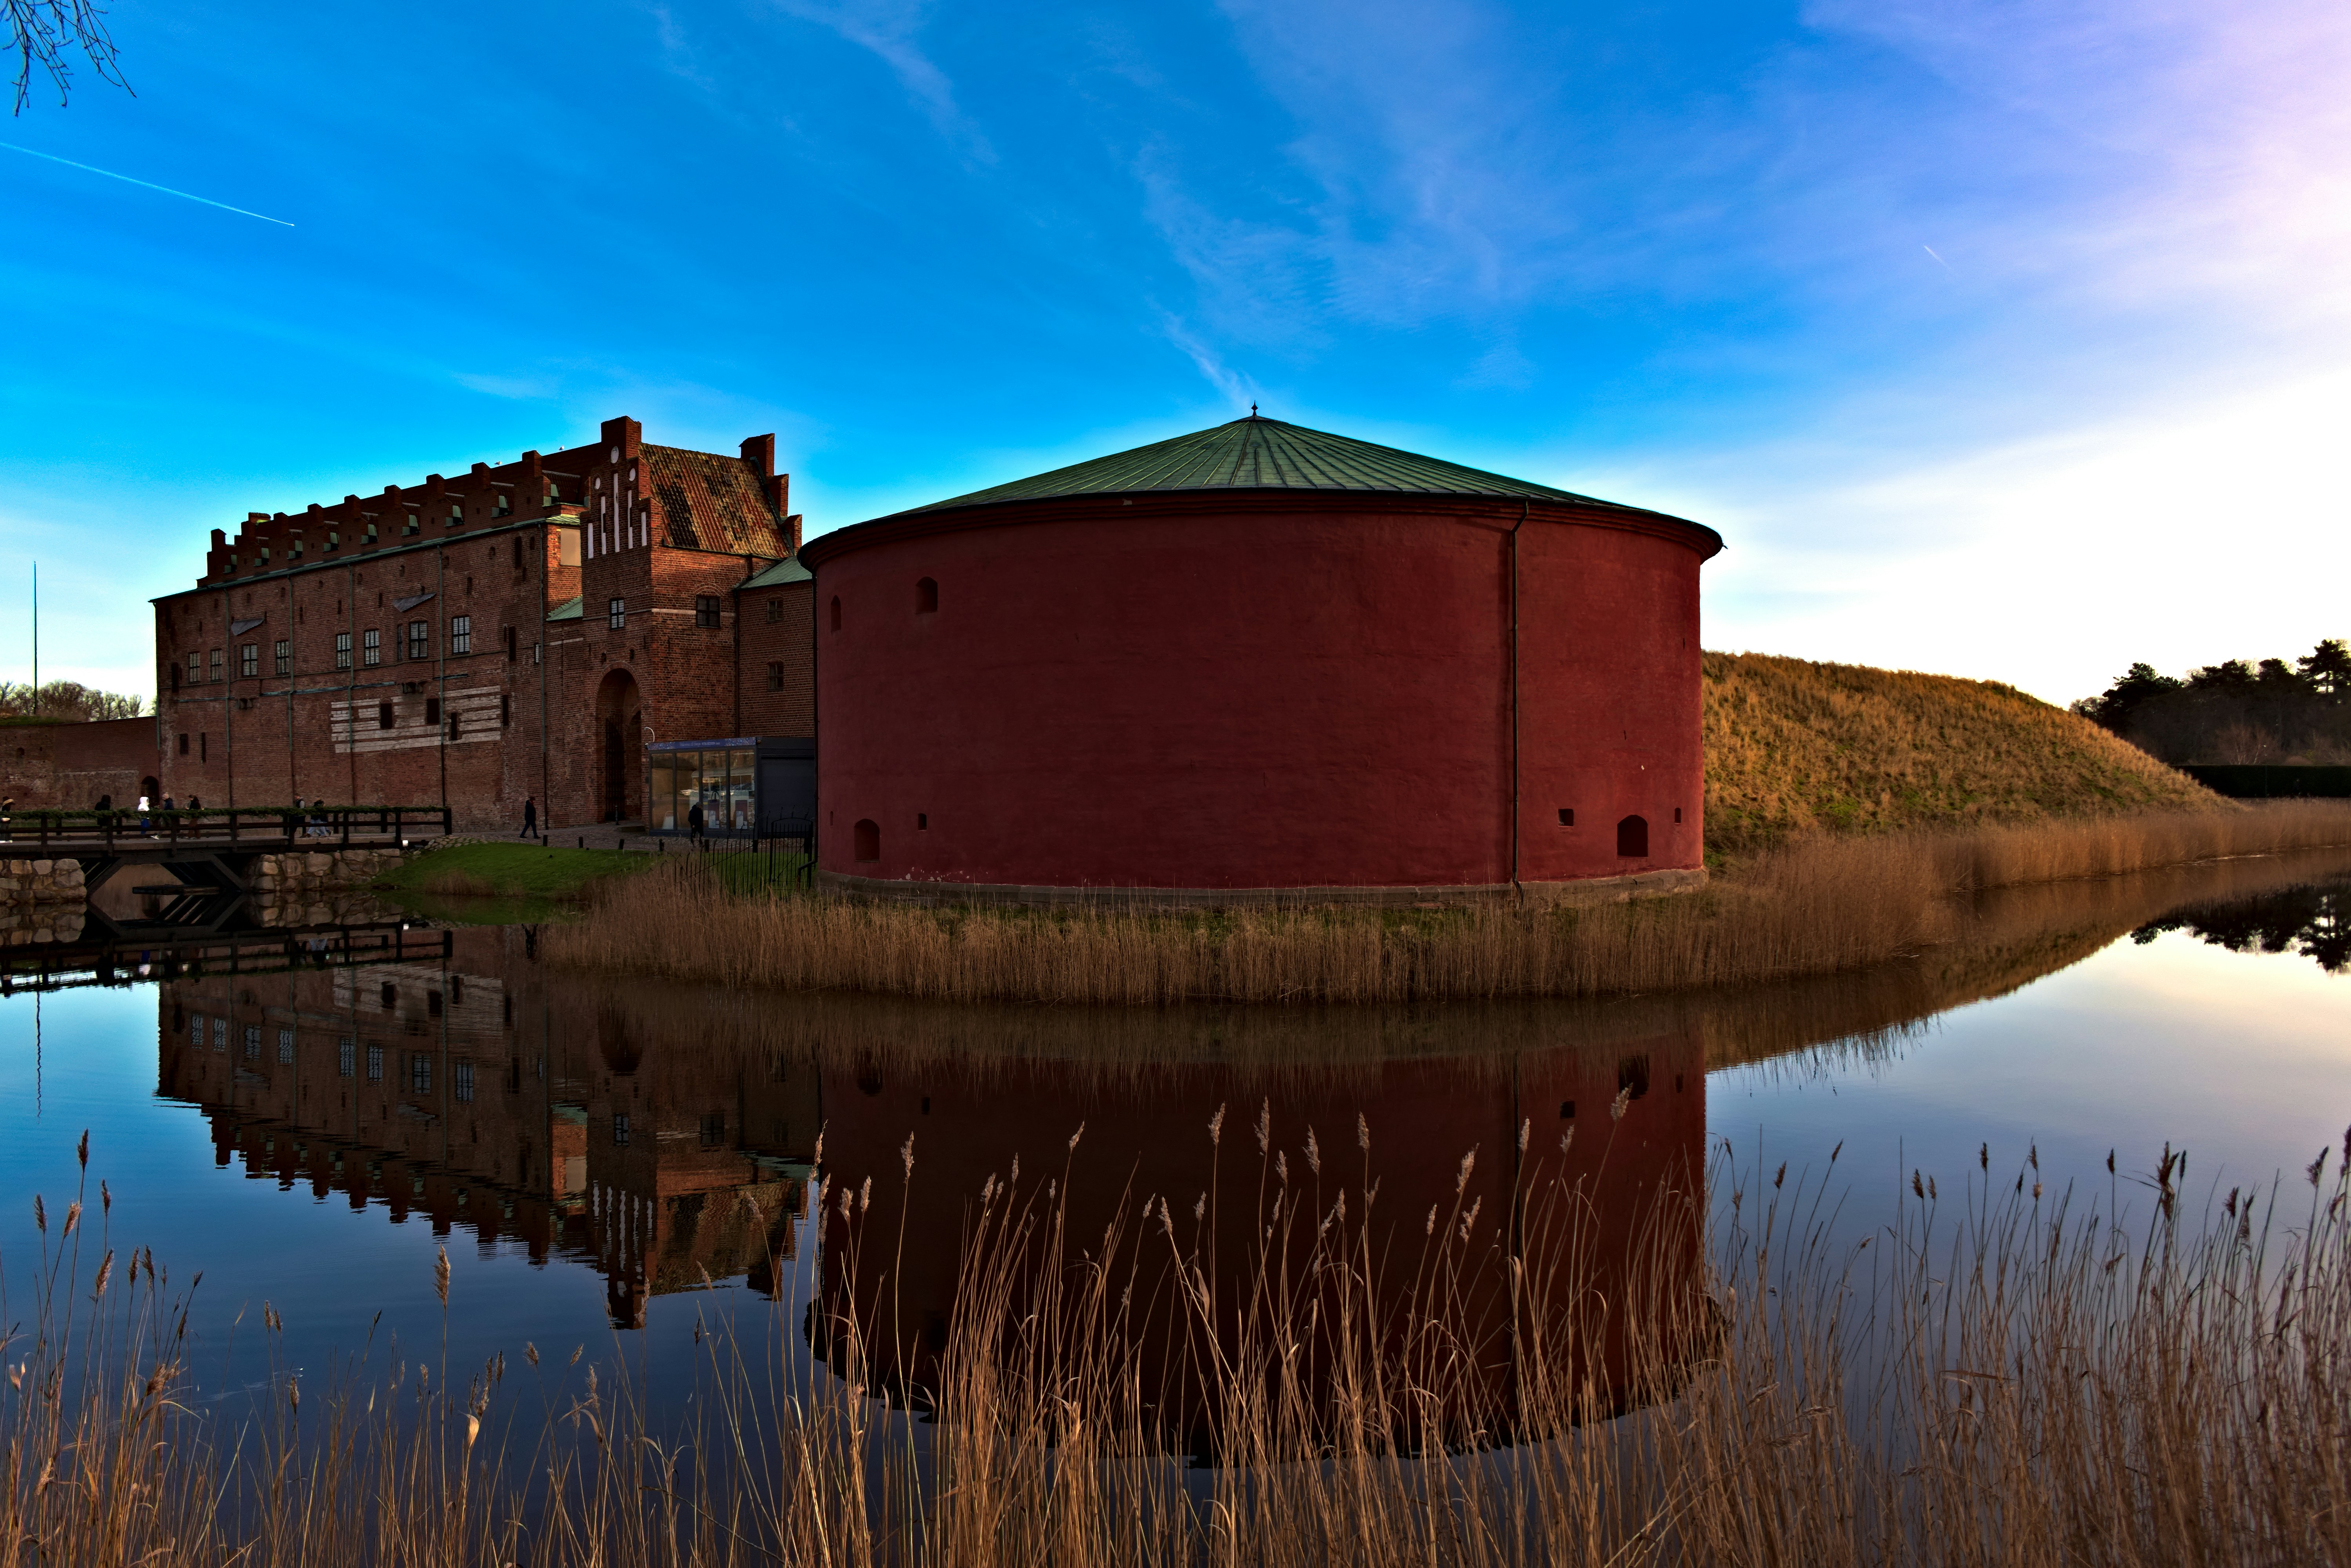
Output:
(620, 720)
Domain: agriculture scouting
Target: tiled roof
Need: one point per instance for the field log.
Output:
(710, 502)
(788, 569)
(1258, 453)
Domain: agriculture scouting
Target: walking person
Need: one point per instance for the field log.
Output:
(693, 825)
(143, 823)
(529, 817)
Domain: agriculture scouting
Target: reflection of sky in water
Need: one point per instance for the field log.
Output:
(2243, 1059)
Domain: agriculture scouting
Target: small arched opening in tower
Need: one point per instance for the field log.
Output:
(1633, 838)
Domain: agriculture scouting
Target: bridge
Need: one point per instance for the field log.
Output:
(209, 853)
(110, 959)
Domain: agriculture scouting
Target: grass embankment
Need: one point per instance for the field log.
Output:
(1820, 906)
(1793, 747)
(2017, 1380)
(511, 870)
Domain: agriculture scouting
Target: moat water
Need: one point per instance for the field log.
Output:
(308, 1123)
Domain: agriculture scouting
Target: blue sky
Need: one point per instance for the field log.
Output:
(2000, 337)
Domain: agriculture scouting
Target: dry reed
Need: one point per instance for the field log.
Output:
(2026, 1383)
(1822, 905)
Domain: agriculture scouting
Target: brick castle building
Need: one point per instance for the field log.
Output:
(528, 630)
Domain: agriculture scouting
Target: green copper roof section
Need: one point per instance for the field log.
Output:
(788, 569)
(1259, 453)
(572, 609)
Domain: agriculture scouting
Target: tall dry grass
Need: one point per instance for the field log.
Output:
(2013, 1378)
(1822, 905)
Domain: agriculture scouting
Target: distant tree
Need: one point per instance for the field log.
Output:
(2328, 668)
(2231, 677)
(45, 35)
(2121, 704)
(68, 701)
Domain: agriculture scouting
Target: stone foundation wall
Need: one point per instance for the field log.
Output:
(293, 879)
(21, 924)
(40, 881)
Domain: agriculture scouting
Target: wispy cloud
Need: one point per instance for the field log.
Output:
(890, 28)
(1235, 388)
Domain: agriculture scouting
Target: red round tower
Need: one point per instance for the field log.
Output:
(1260, 658)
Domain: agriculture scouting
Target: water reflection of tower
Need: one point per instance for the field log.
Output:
(466, 1091)
(1146, 1134)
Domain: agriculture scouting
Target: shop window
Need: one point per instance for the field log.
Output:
(705, 611)
(866, 841)
(1633, 838)
(926, 597)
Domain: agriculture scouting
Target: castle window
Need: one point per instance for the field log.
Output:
(775, 676)
(432, 712)
(1633, 838)
(216, 663)
(836, 613)
(513, 645)
(252, 1042)
(196, 668)
(419, 638)
(383, 715)
(419, 1073)
(1567, 816)
(926, 597)
(285, 1048)
(284, 655)
(375, 1064)
(1677, 814)
(865, 841)
(371, 647)
(461, 635)
(775, 610)
(183, 743)
(621, 1129)
(456, 514)
(461, 1080)
(346, 1056)
(342, 650)
(455, 720)
(503, 505)
(506, 708)
(705, 611)
(248, 660)
(616, 613)
(371, 535)
(408, 524)
(1632, 1076)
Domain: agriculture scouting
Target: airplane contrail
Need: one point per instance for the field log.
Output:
(149, 184)
(1938, 254)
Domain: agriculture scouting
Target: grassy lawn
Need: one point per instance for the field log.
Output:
(512, 871)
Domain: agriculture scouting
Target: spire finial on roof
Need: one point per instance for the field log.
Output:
(1252, 410)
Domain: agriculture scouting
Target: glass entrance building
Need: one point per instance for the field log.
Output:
(748, 786)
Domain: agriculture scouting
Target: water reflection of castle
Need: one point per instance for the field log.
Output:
(474, 1095)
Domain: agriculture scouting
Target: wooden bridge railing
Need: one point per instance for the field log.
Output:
(236, 827)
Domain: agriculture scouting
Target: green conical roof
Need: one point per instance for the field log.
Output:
(1259, 453)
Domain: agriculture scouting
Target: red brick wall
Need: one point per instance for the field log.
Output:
(72, 765)
(775, 645)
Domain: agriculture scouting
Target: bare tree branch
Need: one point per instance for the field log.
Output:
(46, 34)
